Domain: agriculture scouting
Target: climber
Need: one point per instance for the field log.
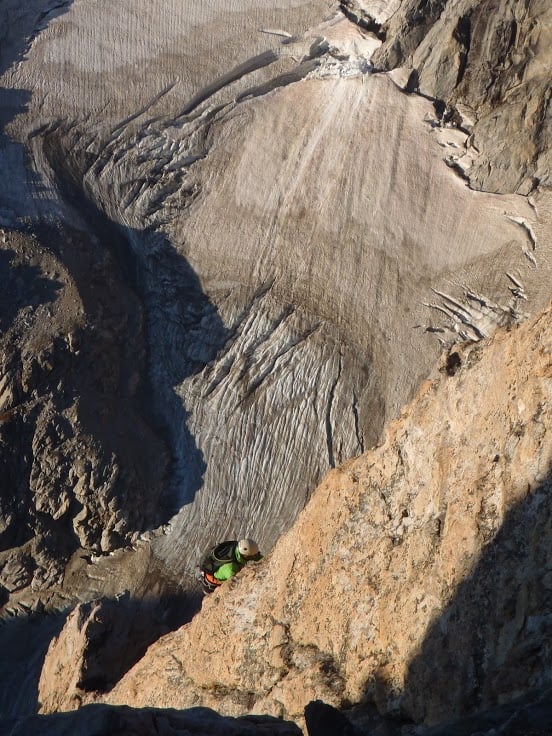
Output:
(224, 560)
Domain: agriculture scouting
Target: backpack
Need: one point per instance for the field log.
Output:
(218, 556)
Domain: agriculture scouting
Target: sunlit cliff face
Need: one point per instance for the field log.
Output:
(427, 554)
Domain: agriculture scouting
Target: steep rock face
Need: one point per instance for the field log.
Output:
(416, 577)
(71, 371)
(491, 61)
(268, 245)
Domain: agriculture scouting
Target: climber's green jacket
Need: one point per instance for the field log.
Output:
(229, 569)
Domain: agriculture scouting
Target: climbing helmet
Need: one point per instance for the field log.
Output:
(248, 548)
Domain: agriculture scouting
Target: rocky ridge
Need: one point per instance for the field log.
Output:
(489, 64)
(417, 577)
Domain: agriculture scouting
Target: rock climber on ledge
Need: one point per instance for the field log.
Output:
(226, 559)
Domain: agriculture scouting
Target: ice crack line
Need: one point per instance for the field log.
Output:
(331, 399)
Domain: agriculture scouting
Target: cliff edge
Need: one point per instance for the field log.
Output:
(418, 576)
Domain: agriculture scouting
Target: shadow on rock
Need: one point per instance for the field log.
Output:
(22, 286)
(493, 643)
(104, 720)
(23, 642)
(105, 638)
(324, 720)
(530, 715)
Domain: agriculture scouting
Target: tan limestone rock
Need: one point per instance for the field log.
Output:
(417, 574)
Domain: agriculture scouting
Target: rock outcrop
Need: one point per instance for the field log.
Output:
(72, 355)
(417, 577)
(98, 720)
(489, 63)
